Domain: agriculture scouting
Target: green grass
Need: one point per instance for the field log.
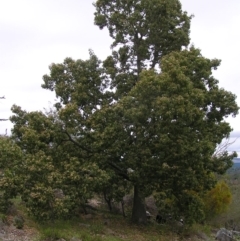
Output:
(117, 229)
(104, 226)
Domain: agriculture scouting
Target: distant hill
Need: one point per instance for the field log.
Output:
(236, 159)
(236, 162)
(236, 166)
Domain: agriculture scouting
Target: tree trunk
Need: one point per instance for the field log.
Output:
(123, 209)
(108, 201)
(138, 212)
(84, 209)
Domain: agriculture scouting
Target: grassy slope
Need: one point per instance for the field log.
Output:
(112, 228)
(103, 226)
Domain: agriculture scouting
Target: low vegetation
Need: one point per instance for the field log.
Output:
(101, 225)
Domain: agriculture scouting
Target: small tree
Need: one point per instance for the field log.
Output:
(51, 164)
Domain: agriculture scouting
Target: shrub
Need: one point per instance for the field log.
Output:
(18, 222)
(217, 200)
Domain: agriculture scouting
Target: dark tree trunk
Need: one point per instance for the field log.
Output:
(138, 212)
(84, 209)
(123, 209)
(108, 201)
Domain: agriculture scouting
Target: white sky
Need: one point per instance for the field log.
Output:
(36, 33)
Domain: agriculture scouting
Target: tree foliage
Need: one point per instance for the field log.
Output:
(168, 127)
(52, 165)
(143, 32)
(149, 116)
(11, 158)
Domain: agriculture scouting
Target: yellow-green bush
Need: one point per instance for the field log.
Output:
(217, 199)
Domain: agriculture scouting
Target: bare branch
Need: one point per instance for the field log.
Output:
(221, 148)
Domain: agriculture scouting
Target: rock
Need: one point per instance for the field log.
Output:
(224, 235)
(1, 235)
(94, 203)
(149, 215)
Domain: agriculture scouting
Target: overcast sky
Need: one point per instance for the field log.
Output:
(36, 33)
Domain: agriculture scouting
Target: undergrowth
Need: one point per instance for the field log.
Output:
(104, 226)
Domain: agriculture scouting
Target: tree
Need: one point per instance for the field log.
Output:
(143, 31)
(51, 165)
(114, 190)
(159, 126)
(165, 130)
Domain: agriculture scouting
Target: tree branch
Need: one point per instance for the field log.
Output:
(76, 143)
(119, 171)
(221, 148)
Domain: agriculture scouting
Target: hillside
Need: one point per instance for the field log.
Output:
(235, 168)
(100, 226)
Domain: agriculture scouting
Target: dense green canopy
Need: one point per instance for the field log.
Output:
(149, 118)
(143, 31)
